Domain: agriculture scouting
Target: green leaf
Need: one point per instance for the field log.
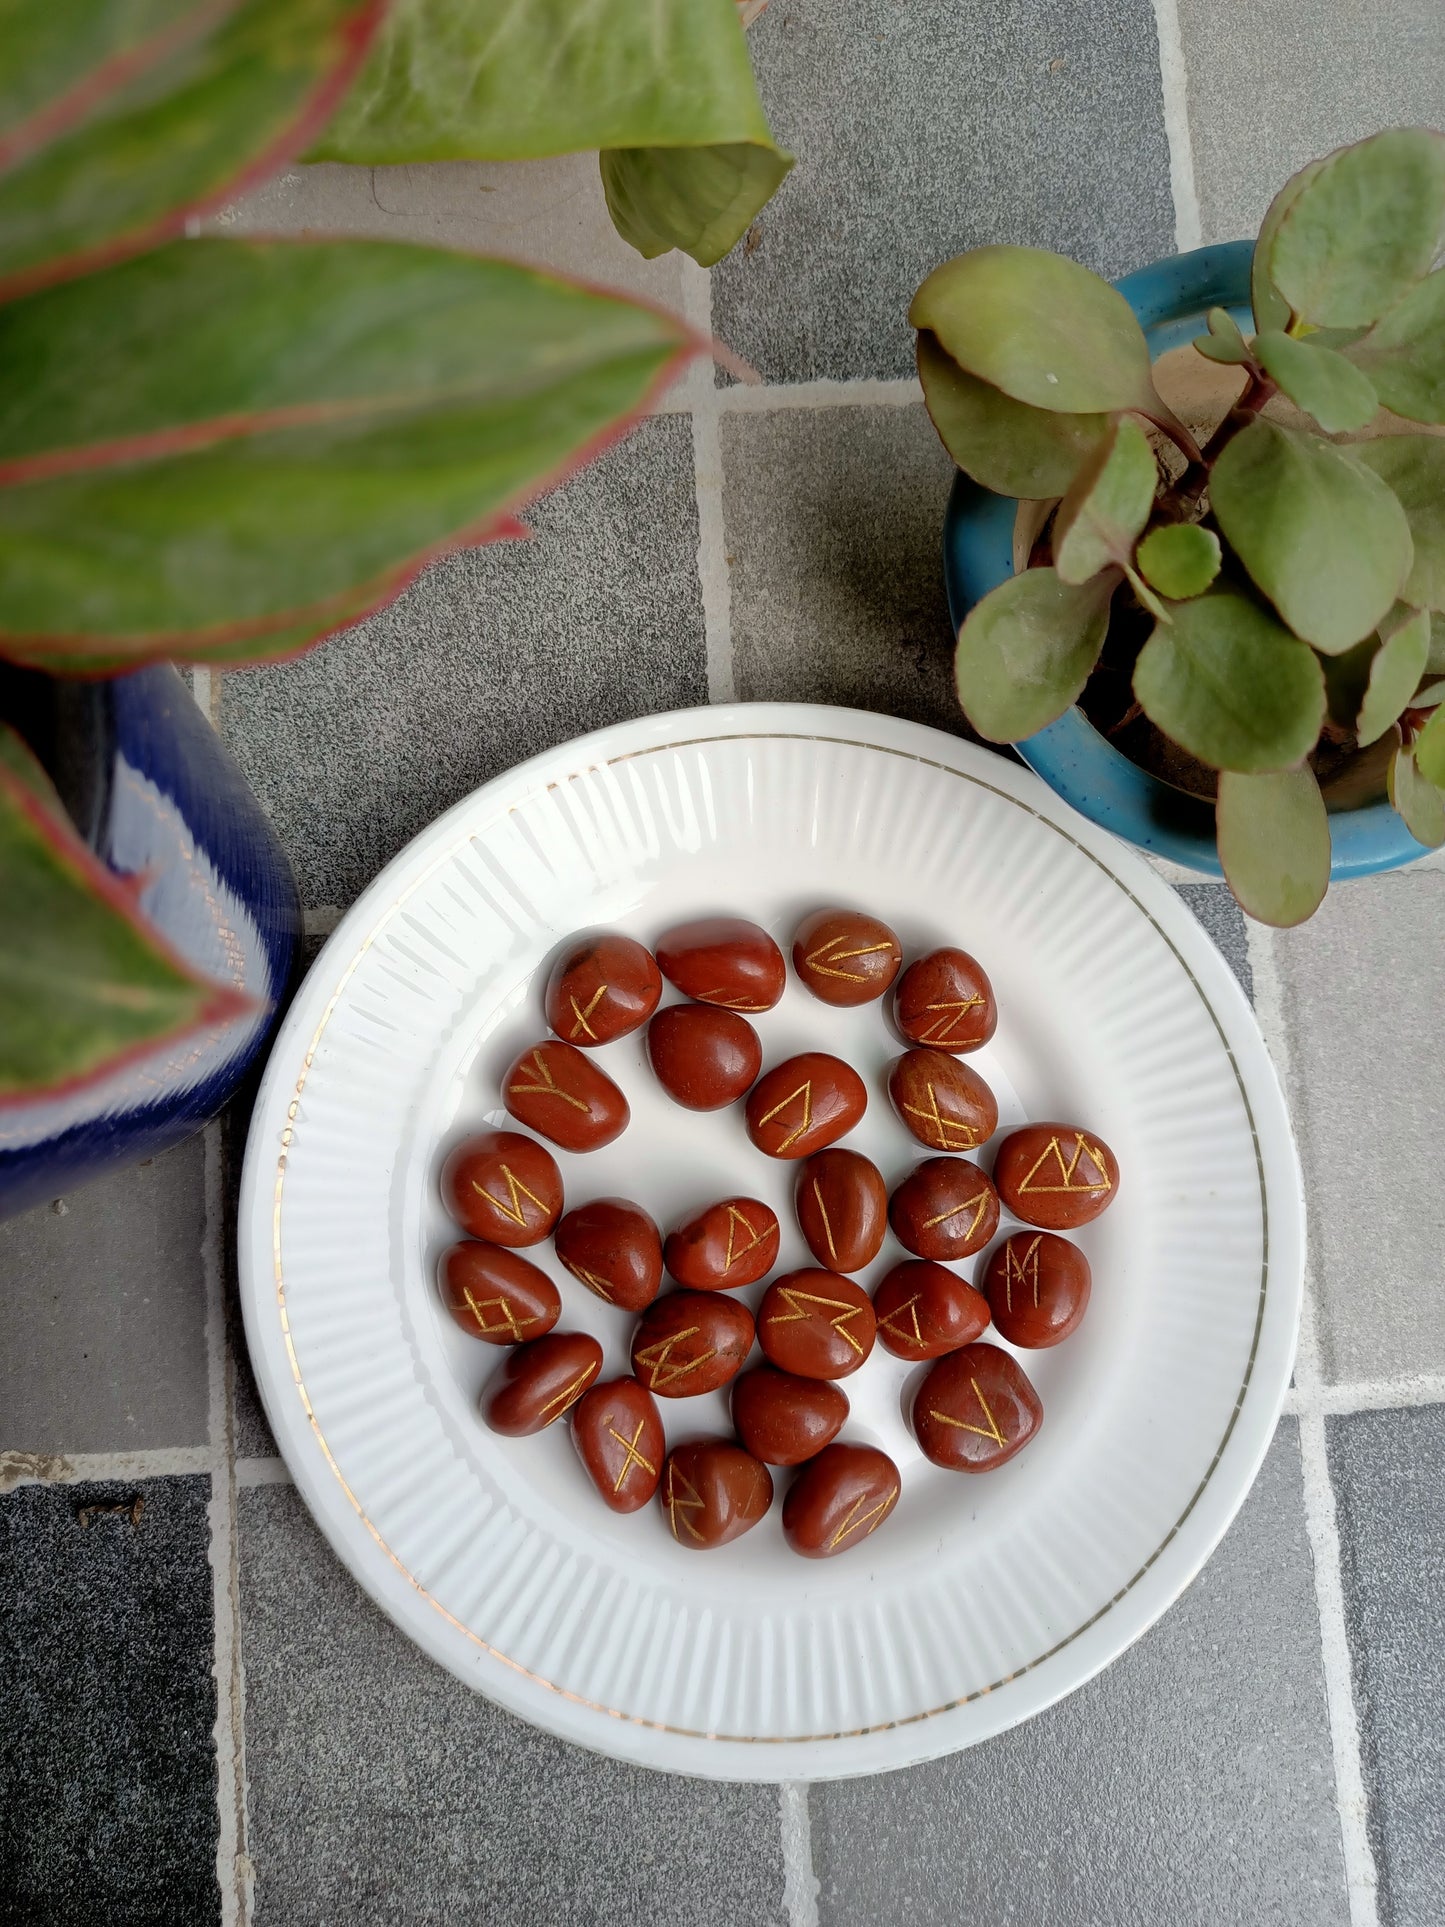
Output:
(1224, 342)
(1395, 674)
(1180, 559)
(228, 443)
(1318, 380)
(1000, 442)
(1404, 353)
(1231, 686)
(1026, 651)
(1430, 750)
(1427, 695)
(86, 983)
(699, 199)
(1271, 310)
(1041, 328)
(1322, 537)
(116, 121)
(1100, 518)
(1420, 802)
(1359, 232)
(1274, 843)
(668, 85)
(1413, 468)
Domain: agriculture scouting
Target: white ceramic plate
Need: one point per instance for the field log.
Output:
(984, 1598)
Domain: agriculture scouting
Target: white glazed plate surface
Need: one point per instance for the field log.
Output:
(983, 1599)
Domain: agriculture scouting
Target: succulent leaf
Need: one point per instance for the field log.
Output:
(1002, 443)
(1271, 310)
(1317, 380)
(1420, 802)
(1274, 843)
(1413, 468)
(1224, 342)
(1404, 353)
(1026, 651)
(1101, 517)
(1430, 750)
(1180, 559)
(1395, 674)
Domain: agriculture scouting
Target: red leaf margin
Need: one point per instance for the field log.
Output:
(223, 1002)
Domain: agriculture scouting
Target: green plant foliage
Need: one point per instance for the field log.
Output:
(1101, 517)
(1362, 229)
(85, 982)
(1000, 442)
(324, 418)
(1395, 672)
(1413, 468)
(115, 121)
(1041, 328)
(1404, 353)
(518, 79)
(1321, 535)
(1430, 750)
(1229, 684)
(1271, 310)
(1179, 559)
(1224, 342)
(1317, 380)
(1274, 843)
(1026, 650)
(1420, 802)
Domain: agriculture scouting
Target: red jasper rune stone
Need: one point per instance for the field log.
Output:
(975, 1409)
(615, 1249)
(703, 1057)
(845, 957)
(842, 1205)
(839, 1500)
(556, 1091)
(503, 1187)
(924, 1310)
(495, 1295)
(1055, 1175)
(724, 960)
(805, 1104)
(540, 1381)
(691, 1341)
(713, 1491)
(1038, 1287)
(601, 986)
(731, 1244)
(945, 1208)
(946, 1001)
(944, 1103)
(783, 1419)
(816, 1324)
(617, 1430)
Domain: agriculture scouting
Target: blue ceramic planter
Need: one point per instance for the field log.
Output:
(1171, 299)
(154, 793)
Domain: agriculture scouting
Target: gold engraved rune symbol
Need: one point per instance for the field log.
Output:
(909, 1305)
(634, 1457)
(944, 1027)
(799, 1303)
(736, 1252)
(1070, 1177)
(991, 1433)
(658, 1360)
(686, 1501)
(590, 1279)
(804, 1091)
(507, 1322)
(512, 1209)
(555, 1407)
(581, 1027)
(828, 955)
(737, 1001)
(980, 1205)
(869, 1522)
(952, 1133)
(547, 1085)
(1023, 1272)
(827, 1228)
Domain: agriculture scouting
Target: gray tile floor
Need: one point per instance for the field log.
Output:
(201, 1718)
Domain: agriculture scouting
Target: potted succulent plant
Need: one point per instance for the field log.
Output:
(1246, 611)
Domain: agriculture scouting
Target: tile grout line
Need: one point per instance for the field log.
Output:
(800, 1882)
(86, 1468)
(1321, 1519)
(232, 1863)
(712, 561)
(1174, 83)
(766, 398)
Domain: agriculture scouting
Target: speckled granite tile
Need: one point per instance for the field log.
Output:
(1191, 1784)
(922, 130)
(1216, 908)
(384, 1793)
(1388, 1470)
(107, 1762)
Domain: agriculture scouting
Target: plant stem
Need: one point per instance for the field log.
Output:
(1185, 493)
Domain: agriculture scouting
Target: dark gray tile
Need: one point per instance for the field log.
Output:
(833, 521)
(107, 1762)
(921, 130)
(1216, 908)
(384, 1793)
(491, 656)
(1388, 1470)
(1191, 1784)
(103, 1342)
